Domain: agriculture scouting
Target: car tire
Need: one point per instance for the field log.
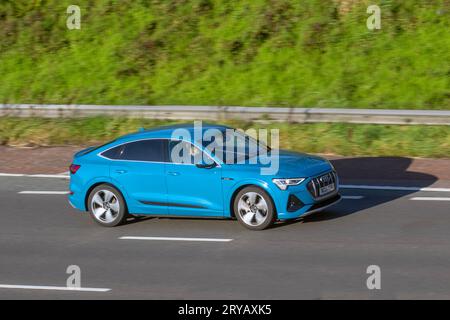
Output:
(254, 208)
(107, 206)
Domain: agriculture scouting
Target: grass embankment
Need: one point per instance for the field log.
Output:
(310, 53)
(340, 139)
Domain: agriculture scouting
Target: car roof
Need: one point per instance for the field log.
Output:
(166, 131)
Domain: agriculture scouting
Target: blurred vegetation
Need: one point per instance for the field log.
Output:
(309, 53)
(328, 138)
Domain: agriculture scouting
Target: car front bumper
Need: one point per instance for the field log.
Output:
(303, 200)
(320, 206)
(308, 209)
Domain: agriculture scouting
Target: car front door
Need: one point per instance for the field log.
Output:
(193, 189)
(138, 168)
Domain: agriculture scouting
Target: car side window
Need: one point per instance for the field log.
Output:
(114, 153)
(184, 152)
(152, 150)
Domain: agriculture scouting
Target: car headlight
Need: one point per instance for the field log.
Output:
(284, 183)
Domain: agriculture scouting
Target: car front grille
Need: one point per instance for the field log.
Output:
(322, 181)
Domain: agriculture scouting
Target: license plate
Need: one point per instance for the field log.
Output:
(326, 189)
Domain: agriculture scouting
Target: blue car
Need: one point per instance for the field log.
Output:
(162, 172)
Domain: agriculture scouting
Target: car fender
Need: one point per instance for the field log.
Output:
(119, 187)
(105, 179)
(238, 185)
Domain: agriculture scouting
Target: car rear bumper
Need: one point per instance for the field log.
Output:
(76, 202)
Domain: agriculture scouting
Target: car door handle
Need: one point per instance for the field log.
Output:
(174, 173)
(121, 171)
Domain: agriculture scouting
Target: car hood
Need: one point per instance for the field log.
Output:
(290, 165)
(301, 164)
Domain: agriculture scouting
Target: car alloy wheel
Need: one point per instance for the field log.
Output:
(254, 208)
(107, 206)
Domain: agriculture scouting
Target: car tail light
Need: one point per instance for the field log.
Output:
(74, 168)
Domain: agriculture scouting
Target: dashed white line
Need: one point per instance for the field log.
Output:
(430, 199)
(11, 175)
(27, 287)
(43, 192)
(176, 239)
(59, 176)
(397, 188)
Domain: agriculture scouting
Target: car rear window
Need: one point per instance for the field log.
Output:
(114, 153)
(145, 150)
(92, 149)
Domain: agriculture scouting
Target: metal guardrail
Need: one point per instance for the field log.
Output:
(295, 115)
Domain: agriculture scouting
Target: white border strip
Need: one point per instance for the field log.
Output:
(175, 239)
(43, 192)
(398, 188)
(27, 287)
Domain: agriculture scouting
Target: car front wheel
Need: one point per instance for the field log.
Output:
(254, 209)
(107, 206)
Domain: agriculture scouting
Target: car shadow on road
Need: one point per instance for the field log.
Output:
(136, 218)
(381, 171)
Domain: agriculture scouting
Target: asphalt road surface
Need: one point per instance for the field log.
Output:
(323, 257)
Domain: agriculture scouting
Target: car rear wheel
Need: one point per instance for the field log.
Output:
(107, 206)
(254, 209)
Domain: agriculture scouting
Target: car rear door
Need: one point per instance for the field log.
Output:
(139, 170)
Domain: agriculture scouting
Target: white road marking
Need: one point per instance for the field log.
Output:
(430, 199)
(397, 188)
(43, 192)
(27, 287)
(58, 176)
(11, 175)
(352, 197)
(176, 239)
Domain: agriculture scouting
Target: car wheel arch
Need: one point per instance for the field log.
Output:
(92, 187)
(245, 185)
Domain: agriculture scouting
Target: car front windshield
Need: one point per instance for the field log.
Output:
(233, 146)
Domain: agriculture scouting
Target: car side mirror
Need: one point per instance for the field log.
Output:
(206, 165)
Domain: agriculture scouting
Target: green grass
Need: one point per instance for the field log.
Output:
(338, 138)
(305, 53)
